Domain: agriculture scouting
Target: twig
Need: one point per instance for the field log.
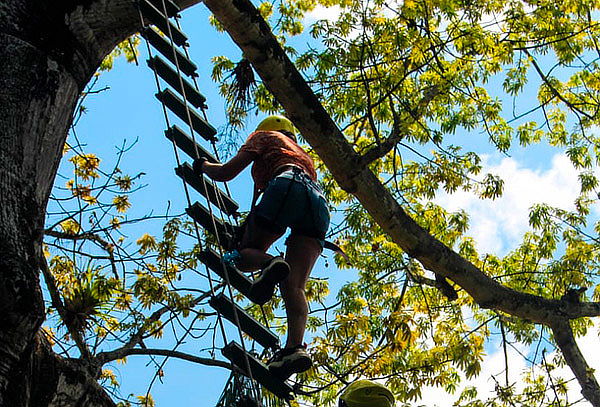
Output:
(135, 339)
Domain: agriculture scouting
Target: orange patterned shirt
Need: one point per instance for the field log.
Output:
(271, 151)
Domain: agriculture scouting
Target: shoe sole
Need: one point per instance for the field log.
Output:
(286, 370)
(263, 290)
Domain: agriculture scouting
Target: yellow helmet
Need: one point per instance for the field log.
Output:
(366, 393)
(274, 123)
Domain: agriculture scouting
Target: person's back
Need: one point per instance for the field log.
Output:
(273, 151)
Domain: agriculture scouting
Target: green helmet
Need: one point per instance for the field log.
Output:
(366, 393)
(274, 123)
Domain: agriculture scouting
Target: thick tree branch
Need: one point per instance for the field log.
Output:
(252, 34)
(248, 29)
(563, 335)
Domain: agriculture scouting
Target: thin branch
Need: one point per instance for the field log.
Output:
(502, 331)
(170, 353)
(136, 338)
(108, 247)
(440, 283)
(555, 92)
(398, 132)
(552, 385)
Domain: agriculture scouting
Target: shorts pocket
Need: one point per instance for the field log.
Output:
(321, 216)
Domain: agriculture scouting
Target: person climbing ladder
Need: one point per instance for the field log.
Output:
(291, 198)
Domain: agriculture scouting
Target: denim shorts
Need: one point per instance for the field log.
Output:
(294, 200)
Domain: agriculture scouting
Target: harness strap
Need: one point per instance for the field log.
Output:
(256, 193)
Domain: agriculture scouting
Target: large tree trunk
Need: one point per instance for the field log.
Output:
(49, 50)
(38, 95)
(52, 381)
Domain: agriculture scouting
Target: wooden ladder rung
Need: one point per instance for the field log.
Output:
(170, 76)
(260, 372)
(163, 46)
(207, 188)
(178, 106)
(187, 144)
(248, 323)
(159, 20)
(238, 280)
(204, 218)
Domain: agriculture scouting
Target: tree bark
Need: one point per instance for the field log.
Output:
(49, 50)
(53, 381)
(251, 33)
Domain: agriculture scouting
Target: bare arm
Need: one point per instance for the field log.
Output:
(229, 170)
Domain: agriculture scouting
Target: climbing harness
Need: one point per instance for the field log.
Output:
(181, 98)
(297, 175)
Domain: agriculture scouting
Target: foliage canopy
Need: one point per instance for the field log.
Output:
(412, 84)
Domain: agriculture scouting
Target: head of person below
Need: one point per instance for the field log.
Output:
(366, 393)
(291, 199)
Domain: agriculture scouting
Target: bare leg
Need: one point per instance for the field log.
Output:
(255, 243)
(302, 253)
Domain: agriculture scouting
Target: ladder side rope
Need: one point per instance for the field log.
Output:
(212, 215)
(236, 316)
(213, 144)
(220, 203)
(197, 232)
(190, 125)
(185, 187)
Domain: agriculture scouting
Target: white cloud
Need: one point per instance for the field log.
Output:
(323, 13)
(497, 225)
(494, 363)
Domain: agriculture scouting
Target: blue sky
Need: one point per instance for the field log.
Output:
(129, 111)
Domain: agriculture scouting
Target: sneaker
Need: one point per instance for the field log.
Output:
(263, 288)
(288, 361)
